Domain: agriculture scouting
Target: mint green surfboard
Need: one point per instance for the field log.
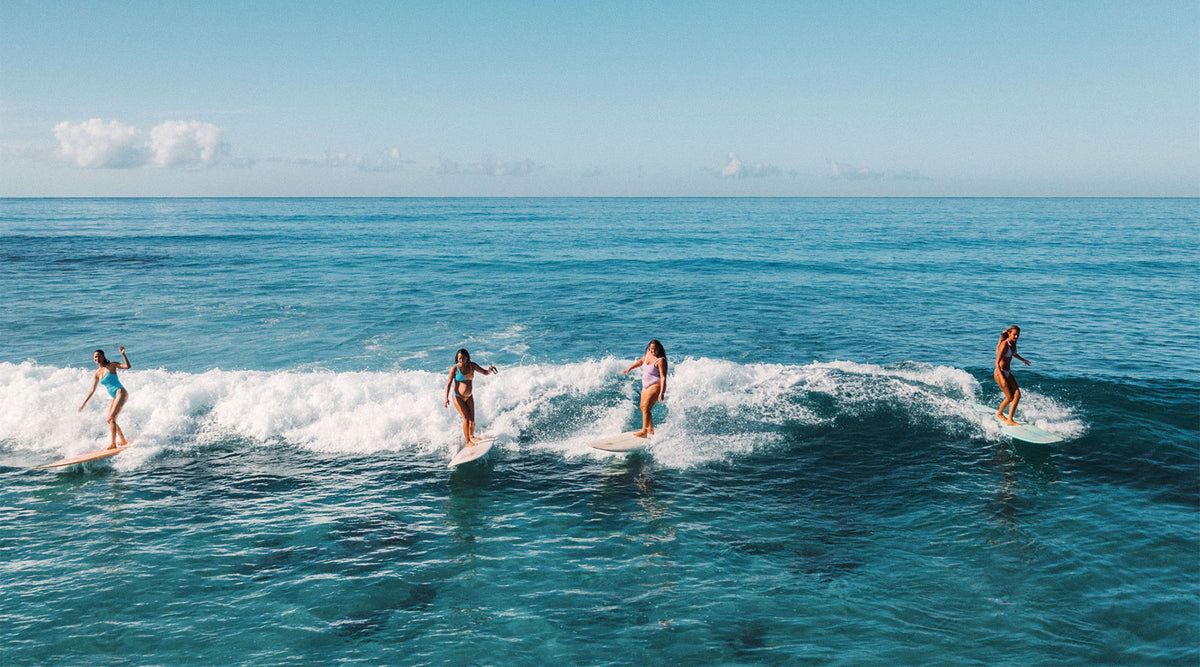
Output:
(1024, 432)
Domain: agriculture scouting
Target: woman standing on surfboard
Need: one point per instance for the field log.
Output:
(462, 375)
(1005, 351)
(654, 383)
(107, 376)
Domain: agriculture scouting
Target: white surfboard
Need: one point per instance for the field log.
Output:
(84, 458)
(625, 442)
(483, 446)
(1024, 432)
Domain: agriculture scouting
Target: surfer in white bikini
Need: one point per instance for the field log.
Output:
(654, 383)
(462, 375)
(107, 376)
(1005, 351)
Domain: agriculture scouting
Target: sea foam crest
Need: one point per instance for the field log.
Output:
(714, 409)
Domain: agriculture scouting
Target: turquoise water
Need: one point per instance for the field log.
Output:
(821, 490)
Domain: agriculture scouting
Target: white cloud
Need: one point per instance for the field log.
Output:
(100, 145)
(849, 172)
(488, 166)
(186, 143)
(97, 144)
(738, 169)
(386, 161)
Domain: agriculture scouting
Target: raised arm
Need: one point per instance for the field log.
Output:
(126, 365)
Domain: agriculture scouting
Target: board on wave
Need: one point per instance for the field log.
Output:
(84, 458)
(466, 454)
(1024, 432)
(625, 442)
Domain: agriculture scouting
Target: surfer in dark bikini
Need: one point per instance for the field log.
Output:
(654, 383)
(1005, 351)
(462, 376)
(107, 376)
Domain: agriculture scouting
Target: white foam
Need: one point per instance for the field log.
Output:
(714, 409)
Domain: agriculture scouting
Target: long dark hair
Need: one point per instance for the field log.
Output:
(103, 357)
(658, 348)
(465, 354)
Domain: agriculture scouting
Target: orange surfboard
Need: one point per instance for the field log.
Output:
(84, 458)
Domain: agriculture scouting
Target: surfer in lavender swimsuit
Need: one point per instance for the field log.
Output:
(1005, 351)
(107, 375)
(460, 384)
(654, 383)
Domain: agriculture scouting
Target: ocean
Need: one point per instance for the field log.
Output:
(820, 489)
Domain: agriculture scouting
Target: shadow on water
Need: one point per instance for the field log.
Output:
(66, 484)
(467, 498)
(1011, 500)
(624, 480)
(372, 611)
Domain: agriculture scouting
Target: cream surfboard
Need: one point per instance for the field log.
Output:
(1024, 432)
(625, 442)
(483, 446)
(84, 458)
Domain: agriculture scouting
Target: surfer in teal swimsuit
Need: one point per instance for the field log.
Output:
(462, 375)
(107, 375)
(654, 383)
(1005, 351)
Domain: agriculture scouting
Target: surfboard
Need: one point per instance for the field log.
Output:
(1024, 432)
(473, 452)
(84, 458)
(625, 442)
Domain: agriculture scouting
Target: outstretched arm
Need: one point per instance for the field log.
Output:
(95, 381)
(490, 370)
(635, 365)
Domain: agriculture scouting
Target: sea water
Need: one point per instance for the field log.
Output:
(820, 490)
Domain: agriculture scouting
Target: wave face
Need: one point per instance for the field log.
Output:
(715, 409)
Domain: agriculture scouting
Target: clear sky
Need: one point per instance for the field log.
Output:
(754, 98)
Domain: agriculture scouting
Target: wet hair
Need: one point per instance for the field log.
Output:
(658, 348)
(103, 358)
(464, 353)
(1006, 331)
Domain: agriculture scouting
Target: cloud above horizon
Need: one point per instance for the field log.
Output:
(842, 171)
(735, 168)
(488, 166)
(386, 161)
(97, 144)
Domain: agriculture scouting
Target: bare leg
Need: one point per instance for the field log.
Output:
(460, 404)
(471, 420)
(1012, 394)
(114, 409)
(1012, 407)
(649, 398)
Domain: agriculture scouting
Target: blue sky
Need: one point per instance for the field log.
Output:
(603, 98)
